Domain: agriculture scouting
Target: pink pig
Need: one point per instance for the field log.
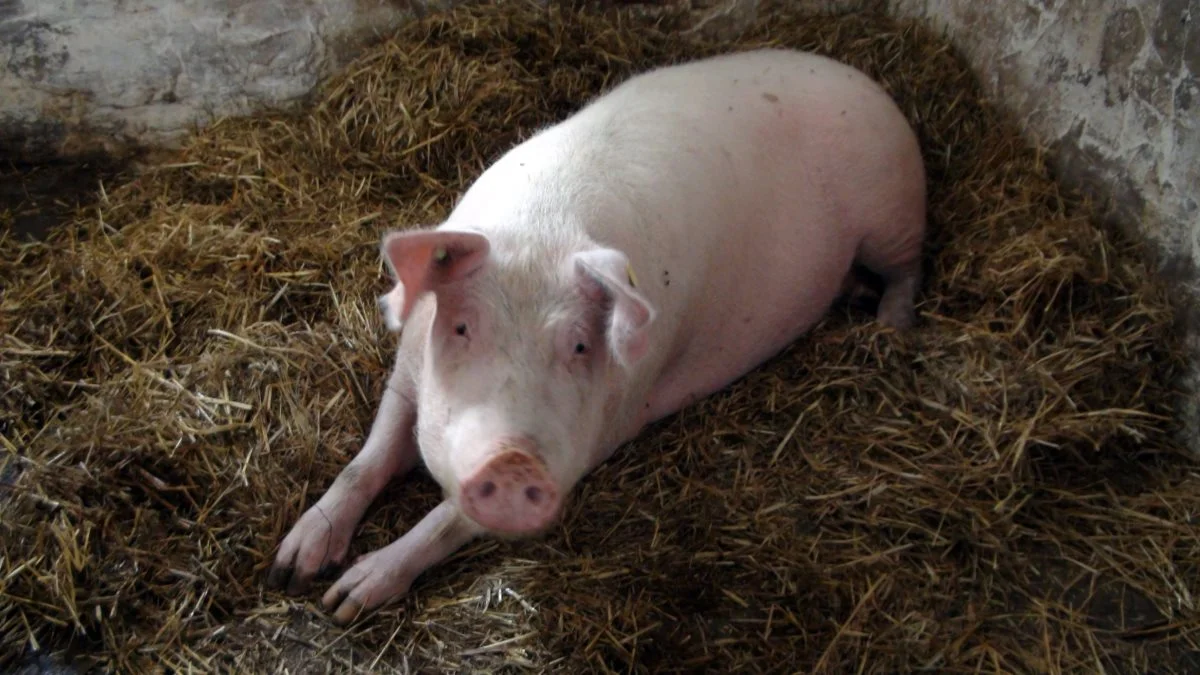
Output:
(644, 253)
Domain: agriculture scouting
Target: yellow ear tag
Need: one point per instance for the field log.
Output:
(632, 276)
(439, 254)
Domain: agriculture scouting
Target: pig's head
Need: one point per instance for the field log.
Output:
(523, 364)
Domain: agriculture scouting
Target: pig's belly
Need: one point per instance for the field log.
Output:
(750, 316)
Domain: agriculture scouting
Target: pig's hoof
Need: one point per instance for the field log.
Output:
(898, 315)
(344, 608)
(899, 320)
(314, 548)
(370, 584)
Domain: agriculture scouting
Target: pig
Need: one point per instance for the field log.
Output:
(646, 252)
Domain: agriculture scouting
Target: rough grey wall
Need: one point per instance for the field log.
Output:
(80, 77)
(1111, 87)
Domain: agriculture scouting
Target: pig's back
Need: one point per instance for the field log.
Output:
(767, 128)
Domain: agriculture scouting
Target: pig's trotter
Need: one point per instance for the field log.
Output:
(385, 575)
(896, 306)
(317, 544)
(313, 544)
(899, 264)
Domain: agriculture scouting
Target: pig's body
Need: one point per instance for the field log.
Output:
(740, 188)
(738, 191)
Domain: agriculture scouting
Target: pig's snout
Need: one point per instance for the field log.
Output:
(511, 493)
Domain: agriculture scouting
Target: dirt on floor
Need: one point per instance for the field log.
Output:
(36, 197)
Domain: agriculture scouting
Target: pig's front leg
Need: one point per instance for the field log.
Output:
(319, 540)
(386, 574)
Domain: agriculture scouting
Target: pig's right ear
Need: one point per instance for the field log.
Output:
(422, 261)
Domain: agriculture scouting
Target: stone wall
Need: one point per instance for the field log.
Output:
(78, 78)
(1110, 87)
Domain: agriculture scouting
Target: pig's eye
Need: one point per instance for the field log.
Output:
(575, 346)
(461, 329)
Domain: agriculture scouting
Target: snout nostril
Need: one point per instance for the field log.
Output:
(487, 489)
(533, 494)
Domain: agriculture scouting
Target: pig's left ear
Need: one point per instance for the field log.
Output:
(423, 261)
(606, 277)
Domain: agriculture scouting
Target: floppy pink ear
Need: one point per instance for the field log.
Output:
(606, 277)
(421, 261)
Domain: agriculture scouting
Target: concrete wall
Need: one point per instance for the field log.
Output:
(1111, 86)
(78, 78)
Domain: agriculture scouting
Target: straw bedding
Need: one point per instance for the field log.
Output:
(187, 365)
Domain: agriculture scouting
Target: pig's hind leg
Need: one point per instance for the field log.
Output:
(318, 542)
(896, 306)
(897, 260)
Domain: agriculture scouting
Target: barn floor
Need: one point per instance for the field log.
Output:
(36, 198)
(187, 363)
